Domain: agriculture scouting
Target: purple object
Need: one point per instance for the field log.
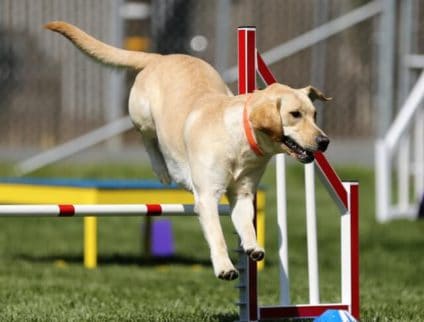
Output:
(162, 238)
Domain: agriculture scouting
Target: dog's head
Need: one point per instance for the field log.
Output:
(287, 118)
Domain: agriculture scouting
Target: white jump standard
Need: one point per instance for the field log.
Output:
(344, 194)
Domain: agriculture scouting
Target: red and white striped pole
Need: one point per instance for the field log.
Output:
(101, 210)
(349, 227)
(246, 59)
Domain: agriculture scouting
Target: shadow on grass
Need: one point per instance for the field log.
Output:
(228, 317)
(122, 259)
(118, 259)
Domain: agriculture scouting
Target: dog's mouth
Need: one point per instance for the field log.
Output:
(296, 151)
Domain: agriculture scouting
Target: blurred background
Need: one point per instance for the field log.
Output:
(50, 93)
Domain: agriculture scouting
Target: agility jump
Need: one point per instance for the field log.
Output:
(344, 194)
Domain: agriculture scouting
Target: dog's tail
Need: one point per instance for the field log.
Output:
(100, 51)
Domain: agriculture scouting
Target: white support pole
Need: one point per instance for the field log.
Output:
(414, 61)
(419, 155)
(311, 225)
(115, 84)
(382, 181)
(282, 228)
(406, 113)
(406, 32)
(345, 256)
(223, 18)
(74, 146)
(403, 173)
(386, 54)
(385, 150)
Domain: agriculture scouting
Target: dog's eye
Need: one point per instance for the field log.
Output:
(296, 114)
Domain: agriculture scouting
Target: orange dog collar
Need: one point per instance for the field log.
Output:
(250, 135)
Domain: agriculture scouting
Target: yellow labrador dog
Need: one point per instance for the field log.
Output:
(201, 136)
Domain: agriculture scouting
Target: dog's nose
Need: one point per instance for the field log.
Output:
(322, 142)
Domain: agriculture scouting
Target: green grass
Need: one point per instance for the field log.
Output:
(42, 278)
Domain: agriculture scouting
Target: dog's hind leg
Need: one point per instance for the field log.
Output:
(156, 158)
(141, 115)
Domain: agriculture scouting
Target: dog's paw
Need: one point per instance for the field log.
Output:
(256, 254)
(223, 267)
(229, 275)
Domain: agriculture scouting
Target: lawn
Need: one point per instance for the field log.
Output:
(42, 278)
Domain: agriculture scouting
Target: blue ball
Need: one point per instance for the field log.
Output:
(335, 316)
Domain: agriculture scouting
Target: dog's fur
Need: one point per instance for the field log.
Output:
(192, 128)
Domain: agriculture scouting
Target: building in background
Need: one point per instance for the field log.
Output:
(50, 92)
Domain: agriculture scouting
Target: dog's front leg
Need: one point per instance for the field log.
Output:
(207, 207)
(242, 216)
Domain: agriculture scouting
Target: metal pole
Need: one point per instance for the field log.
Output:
(115, 86)
(383, 181)
(403, 119)
(283, 249)
(414, 61)
(405, 47)
(90, 242)
(419, 155)
(311, 225)
(349, 227)
(222, 34)
(318, 79)
(386, 51)
(403, 172)
(318, 63)
(345, 251)
(73, 146)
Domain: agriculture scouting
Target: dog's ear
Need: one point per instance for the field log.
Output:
(265, 117)
(314, 94)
